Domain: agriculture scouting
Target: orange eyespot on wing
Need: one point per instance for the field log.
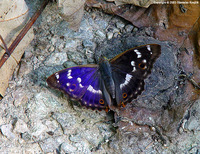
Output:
(101, 101)
(124, 95)
(72, 87)
(142, 66)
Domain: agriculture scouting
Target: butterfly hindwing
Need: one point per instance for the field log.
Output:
(93, 97)
(127, 87)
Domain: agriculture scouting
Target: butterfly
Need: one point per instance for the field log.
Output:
(111, 84)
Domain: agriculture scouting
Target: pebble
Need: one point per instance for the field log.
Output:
(6, 130)
(56, 58)
(129, 28)
(67, 148)
(109, 35)
(100, 34)
(192, 124)
(26, 136)
(135, 29)
(120, 25)
(67, 64)
(88, 43)
(21, 127)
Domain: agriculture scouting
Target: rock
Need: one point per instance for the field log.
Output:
(20, 127)
(129, 28)
(57, 58)
(68, 148)
(120, 25)
(6, 130)
(100, 34)
(88, 43)
(109, 35)
(49, 145)
(192, 124)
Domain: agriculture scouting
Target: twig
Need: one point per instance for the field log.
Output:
(20, 36)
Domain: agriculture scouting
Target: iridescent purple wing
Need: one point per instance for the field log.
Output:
(93, 97)
(81, 83)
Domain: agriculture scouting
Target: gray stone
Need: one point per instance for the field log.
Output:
(6, 130)
(68, 148)
(49, 145)
(56, 58)
(135, 29)
(109, 35)
(88, 43)
(20, 126)
(193, 124)
(100, 34)
(129, 28)
(120, 25)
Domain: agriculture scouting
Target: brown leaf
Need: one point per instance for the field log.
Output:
(10, 58)
(170, 22)
(13, 17)
(72, 12)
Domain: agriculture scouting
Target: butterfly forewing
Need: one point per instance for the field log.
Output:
(130, 68)
(137, 61)
(73, 81)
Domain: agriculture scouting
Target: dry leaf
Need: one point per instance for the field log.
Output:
(170, 22)
(13, 16)
(72, 12)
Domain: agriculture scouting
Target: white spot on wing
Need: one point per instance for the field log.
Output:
(133, 64)
(69, 74)
(148, 47)
(57, 76)
(81, 85)
(144, 61)
(127, 80)
(139, 55)
(79, 80)
(91, 89)
(68, 84)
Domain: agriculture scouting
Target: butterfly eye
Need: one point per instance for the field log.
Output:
(101, 101)
(142, 66)
(124, 95)
(72, 87)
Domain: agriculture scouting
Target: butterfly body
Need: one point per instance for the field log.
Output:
(110, 84)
